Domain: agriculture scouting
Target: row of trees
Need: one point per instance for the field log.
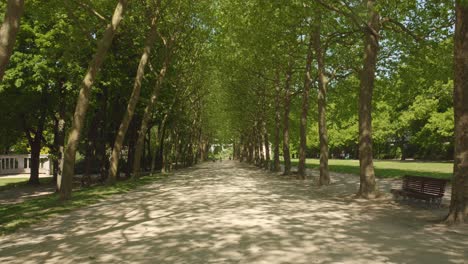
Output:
(117, 92)
(151, 84)
(367, 78)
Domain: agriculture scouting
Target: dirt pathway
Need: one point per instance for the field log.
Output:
(231, 213)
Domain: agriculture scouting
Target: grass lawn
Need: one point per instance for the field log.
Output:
(389, 168)
(11, 181)
(34, 210)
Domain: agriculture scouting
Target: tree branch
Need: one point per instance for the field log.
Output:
(92, 10)
(402, 28)
(354, 18)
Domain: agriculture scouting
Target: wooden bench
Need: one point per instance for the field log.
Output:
(421, 188)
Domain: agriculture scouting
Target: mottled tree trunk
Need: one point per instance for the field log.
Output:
(131, 150)
(35, 161)
(36, 142)
(101, 144)
(8, 32)
(83, 100)
(324, 178)
(260, 146)
(368, 187)
(256, 144)
(287, 109)
(135, 96)
(59, 138)
(161, 148)
(459, 203)
(147, 117)
(156, 150)
(250, 158)
(266, 142)
(158, 142)
(276, 147)
(301, 169)
(245, 151)
(90, 156)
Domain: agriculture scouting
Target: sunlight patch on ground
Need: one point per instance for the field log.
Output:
(232, 213)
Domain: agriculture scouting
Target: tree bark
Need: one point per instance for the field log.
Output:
(301, 169)
(8, 32)
(266, 142)
(256, 143)
(250, 157)
(83, 101)
(159, 136)
(36, 142)
(35, 162)
(90, 156)
(59, 138)
(147, 115)
(368, 187)
(287, 109)
(459, 202)
(102, 143)
(162, 147)
(132, 103)
(276, 147)
(260, 145)
(156, 150)
(324, 178)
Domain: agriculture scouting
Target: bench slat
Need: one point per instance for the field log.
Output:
(421, 187)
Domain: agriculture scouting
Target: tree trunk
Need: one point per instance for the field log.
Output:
(301, 169)
(324, 178)
(287, 109)
(148, 150)
(90, 156)
(148, 114)
(36, 142)
(256, 144)
(35, 161)
(132, 103)
(59, 142)
(8, 31)
(276, 148)
(158, 142)
(101, 144)
(245, 151)
(162, 147)
(260, 145)
(368, 187)
(156, 150)
(55, 160)
(266, 142)
(250, 158)
(83, 101)
(459, 202)
(131, 151)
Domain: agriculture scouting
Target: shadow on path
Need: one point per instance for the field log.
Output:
(232, 213)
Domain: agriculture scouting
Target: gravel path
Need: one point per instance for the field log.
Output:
(232, 213)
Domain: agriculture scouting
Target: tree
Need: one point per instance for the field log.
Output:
(286, 121)
(322, 101)
(83, 101)
(276, 143)
(151, 38)
(8, 31)
(305, 108)
(150, 107)
(368, 187)
(459, 203)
